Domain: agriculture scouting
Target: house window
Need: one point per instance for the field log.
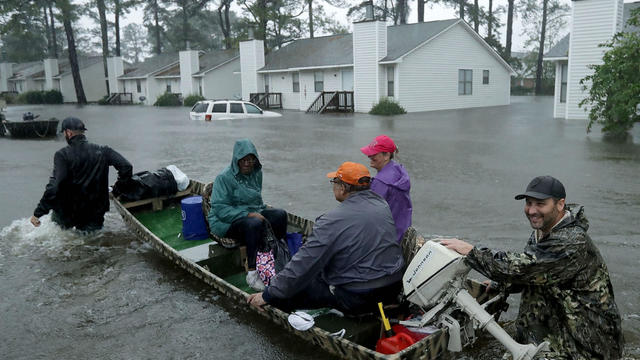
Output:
(266, 83)
(563, 83)
(390, 82)
(465, 81)
(138, 86)
(485, 77)
(318, 81)
(168, 87)
(295, 79)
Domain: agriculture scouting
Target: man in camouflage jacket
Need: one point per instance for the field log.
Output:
(567, 297)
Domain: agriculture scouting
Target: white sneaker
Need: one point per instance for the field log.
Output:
(254, 281)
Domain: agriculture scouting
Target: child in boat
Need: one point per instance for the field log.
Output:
(237, 210)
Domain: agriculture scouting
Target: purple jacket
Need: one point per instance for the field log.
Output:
(393, 184)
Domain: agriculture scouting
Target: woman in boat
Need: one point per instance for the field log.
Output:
(392, 181)
(237, 210)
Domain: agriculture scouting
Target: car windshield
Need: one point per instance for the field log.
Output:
(252, 109)
(200, 107)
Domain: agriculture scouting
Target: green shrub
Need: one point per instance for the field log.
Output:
(10, 98)
(387, 106)
(21, 98)
(521, 90)
(192, 100)
(34, 97)
(103, 101)
(52, 97)
(167, 99)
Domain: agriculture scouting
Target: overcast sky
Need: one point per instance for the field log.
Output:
(432, 12)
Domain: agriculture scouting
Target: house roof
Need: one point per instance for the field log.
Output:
(214, 59)
(337, 50)
(151, 65)
(83, 62)
(401, 39)
(561, 49)
(312, 52)
(24, 70)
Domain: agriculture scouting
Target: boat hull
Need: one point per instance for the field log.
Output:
(431, 347)
(32, 129)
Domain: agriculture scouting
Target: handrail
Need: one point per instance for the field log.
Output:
(332, 100)
(266, 100)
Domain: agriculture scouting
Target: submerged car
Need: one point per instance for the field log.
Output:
(208, 110)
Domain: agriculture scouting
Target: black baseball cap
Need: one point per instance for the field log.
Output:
(72, 123)
(544, 187)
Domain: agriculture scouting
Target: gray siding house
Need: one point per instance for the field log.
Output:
(425, 66)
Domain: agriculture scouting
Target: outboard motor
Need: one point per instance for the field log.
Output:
(28, 116)
(435, 281)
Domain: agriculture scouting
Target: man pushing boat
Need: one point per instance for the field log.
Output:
(351, 261)
(78, 190)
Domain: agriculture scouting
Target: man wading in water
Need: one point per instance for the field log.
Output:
(567, 297)
(78, 190)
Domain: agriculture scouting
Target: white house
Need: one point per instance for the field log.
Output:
(190, 72)
(92, 75)
(593, 22)
(425, 66)
(20, 77)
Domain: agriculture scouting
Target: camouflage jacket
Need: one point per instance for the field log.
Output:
(567, 298)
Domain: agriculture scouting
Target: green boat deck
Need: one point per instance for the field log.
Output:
(166, 224)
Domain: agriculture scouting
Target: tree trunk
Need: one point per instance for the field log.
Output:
(541, 48)
(476, 16)
(225, 26)
(105, 40)
(48, 30)
(53, 32)
(157, 28)
(310, 18)
(401, 6)
(490, 20)
(386, 10)
(507, 49)
(462, 6)
(117, 25)
(73, 57)
(421, 4)
(185, 25)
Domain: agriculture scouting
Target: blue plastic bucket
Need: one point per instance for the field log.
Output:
(193, 225)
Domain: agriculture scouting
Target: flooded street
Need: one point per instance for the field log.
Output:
(109, 296)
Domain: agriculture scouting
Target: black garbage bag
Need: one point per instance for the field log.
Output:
(145, 185)
(281, 255)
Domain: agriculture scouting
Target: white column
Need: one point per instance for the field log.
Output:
(115, 68)
(50, 70)
(6, 71)
(189, 65)
(369, 46)
(251, 59)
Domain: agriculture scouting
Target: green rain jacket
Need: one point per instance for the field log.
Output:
(235, 195)
(567, 298)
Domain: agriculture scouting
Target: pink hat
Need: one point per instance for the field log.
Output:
(382, 143)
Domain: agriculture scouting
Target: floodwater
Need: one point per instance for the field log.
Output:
(109, 296)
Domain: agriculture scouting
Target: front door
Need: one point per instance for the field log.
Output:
(347, 80)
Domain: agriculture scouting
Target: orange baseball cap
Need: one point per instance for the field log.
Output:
(351, 173)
